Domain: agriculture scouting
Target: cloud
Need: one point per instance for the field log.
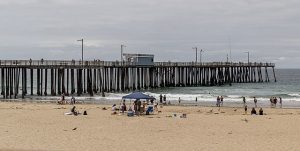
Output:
(167, 28)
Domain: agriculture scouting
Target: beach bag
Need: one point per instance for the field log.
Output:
(130, 113)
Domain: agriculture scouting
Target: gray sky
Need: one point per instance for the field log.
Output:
(49, 29)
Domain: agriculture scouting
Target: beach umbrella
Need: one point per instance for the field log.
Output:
(138, 95)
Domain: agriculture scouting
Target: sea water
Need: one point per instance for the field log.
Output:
(287, 87)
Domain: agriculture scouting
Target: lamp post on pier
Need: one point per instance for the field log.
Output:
(196, 53)
(201, 55)
(81, 50)
(122, 47)
(248, 55)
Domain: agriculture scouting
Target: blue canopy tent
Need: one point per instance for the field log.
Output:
(138, 95)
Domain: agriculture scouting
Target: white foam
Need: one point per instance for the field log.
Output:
(172, 97)
(294, 95)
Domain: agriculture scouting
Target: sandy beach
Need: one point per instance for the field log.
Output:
(43, 126)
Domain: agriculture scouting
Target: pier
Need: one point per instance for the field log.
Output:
(20, 78)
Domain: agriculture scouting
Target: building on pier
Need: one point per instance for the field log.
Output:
(139, 59)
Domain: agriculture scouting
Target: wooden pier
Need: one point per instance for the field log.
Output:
(52, 77)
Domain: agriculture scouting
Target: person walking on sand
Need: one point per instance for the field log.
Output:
(255, 101)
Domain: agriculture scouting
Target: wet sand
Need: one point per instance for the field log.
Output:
(43, 126)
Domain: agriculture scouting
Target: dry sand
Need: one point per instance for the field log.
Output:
(43, 126)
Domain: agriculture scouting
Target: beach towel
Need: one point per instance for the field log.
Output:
(68, 113)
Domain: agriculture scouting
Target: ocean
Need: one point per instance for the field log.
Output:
(287, 87)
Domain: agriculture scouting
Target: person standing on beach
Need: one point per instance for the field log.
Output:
(218, 101)
(139, 109)
(160, 98)
(72, 100)
(123, 107)
(244, 100)
(165, 99)
(179, 100)
(135, 105)
(271, 101)
(196, 100)
(151, 101)
(62, 99)
(255, 101)
(280, 102)
(221, 100)
(275, 101)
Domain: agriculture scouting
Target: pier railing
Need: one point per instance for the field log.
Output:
(98, 63)
(211, 64)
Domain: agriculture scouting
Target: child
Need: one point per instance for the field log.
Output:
(246, 108)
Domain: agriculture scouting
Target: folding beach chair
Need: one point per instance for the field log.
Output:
(149, 110)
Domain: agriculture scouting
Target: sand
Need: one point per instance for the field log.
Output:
(43, 126)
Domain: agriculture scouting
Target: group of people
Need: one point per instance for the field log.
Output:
(274, 101)
(162, 99)
(75, 112)
(138, 107)
(63, 101)
(253, 111)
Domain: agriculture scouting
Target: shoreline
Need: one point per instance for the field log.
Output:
(286, 105)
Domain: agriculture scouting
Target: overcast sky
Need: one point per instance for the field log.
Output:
(49, 29)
